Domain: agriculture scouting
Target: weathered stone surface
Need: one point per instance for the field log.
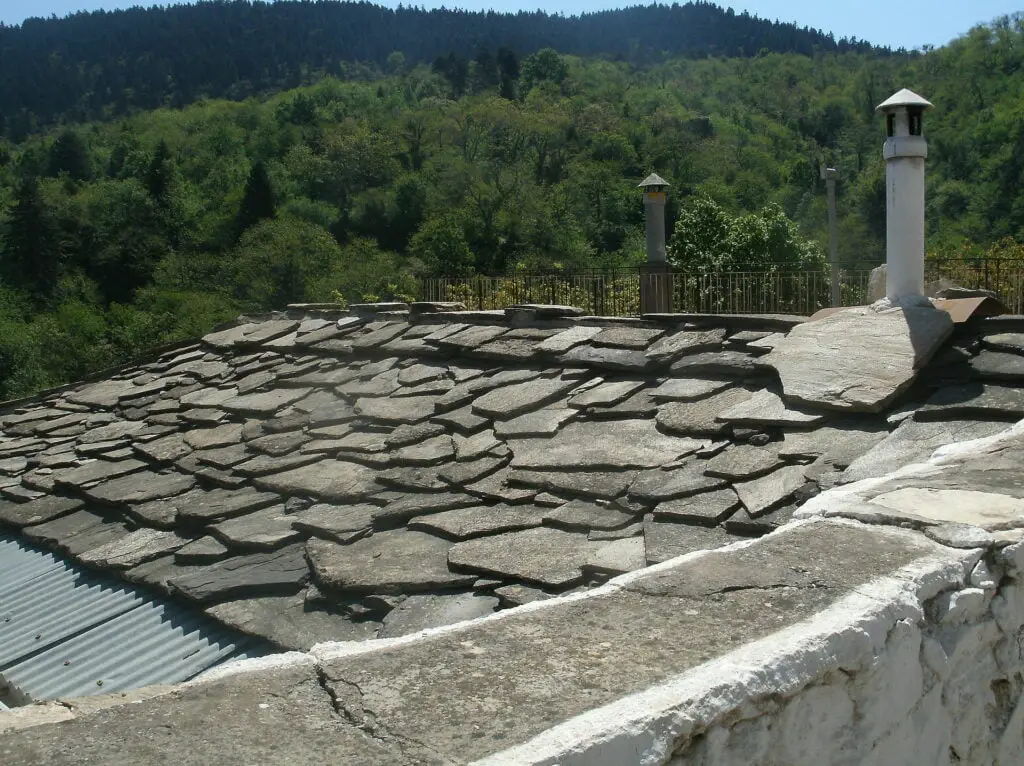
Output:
(958, 535)
(404, 409)
(767, 409)
(398, 561)
(761, 495)
(64, 527)
(224, 457)
(263, 404)
(134, 548)
(838, 443)
(607, 394)
(208, 397)
(469, 389)
(208, 506)
(420, 612)
(611, 358)
(686, 342)
(377, 333)
(476, 446)
(1005, 341)
(205, 550)
(412, 479)
(543, 422)
(278, 573)
(166, 449)
(998, 365)
(990, 511)
(496, 487)
(516, 595)
(602, 535)
(603, 485)
(94, 471)
(461, 474)
(549, 557)
(706, 508)
(725, 363)
(700, 418)
(470, 337)
(37, 511)
(509, 401)
(421, 373)
(104, 394)
(464, 523)
(263, 530)
(289, 622)
(585, 515)
(13, 466)
(743, 523)
(413, 434)
(278, 444)
(743, 461)
(433, 451)
(592, 445)
(563, 341)
(342, 523)
(858, 359)
(617, 557)
(984, 400)
(140, 487)
(687, 389)
(507, 349)
(463, 421)
(913, 442)
(682, 481)
(627, 337)
(404, 508)
(112, 431)
(667, 540)
(332, 480)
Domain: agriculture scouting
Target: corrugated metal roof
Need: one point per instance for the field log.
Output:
(66, 631)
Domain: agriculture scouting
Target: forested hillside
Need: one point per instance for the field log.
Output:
(119, 235)
(94, 65)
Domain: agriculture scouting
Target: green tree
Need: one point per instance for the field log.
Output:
(441, 245)
(258, 202)
(32, 253)
(70, 155)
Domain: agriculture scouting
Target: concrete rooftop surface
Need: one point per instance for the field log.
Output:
(512, 537)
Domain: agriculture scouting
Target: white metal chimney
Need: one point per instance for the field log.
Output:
(905, 151)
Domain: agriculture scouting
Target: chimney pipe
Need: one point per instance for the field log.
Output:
(905, 150)
(654, 202)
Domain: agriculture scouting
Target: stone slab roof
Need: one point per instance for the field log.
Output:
(318, 476)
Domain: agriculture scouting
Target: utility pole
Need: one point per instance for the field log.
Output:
(830, 175)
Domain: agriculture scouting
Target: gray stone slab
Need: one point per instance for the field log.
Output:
(700, 417)
(278, 444)
(629, 360)
(95, 471)
(461, 474)
(224, 457)
(470, 337)
(914, 442)
(466, 391)
(277, 573)
(405, 435)
(213, 505)
(763, 494)
(1005, 341)
(331, 480)
(476, 446)
(743, 461)
(417, 613)
(399, 511)
(263, 404)
(858, 359)
(601, 535)
(984, 400)
(548, 557)
(838, 443)
(463, 421)
(681, 481)
(617, 557)
(133, 549)
(664, 540)
(421, 373)
(465, 523)
(686, 342)
(743, 523)
(406, 409)
(765, 408)
(341, 523)
(540, 423)
(728, 363)
(585, 515)
(706, 508)
(263, 530)
(290, 623)
(593, 484)
(998, 365)
(593, 445)
(140, 488)
(432, 451)
(164, 450)
(957, 535)
(61, 528)
(687, 389)
(397, 561)
(567, 339)
(377, 333)
(508, 350)
(104, 394)
(495, 487)
(208, 397)
(412, 479)
(205, 550)
(112, 431)
(627, 337)
(37, 511)
(518, 398)
(606, 394)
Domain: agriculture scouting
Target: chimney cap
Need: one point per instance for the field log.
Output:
(653, 180)
(903, 99)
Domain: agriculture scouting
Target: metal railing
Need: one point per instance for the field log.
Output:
(781, 291)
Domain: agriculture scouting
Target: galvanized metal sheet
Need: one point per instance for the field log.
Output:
(66, 631)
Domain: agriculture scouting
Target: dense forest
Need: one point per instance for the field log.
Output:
(117, 235)
(96, 65)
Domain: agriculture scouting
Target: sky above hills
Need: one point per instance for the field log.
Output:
(899, 23)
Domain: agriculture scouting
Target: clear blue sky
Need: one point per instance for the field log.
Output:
(907, 23)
